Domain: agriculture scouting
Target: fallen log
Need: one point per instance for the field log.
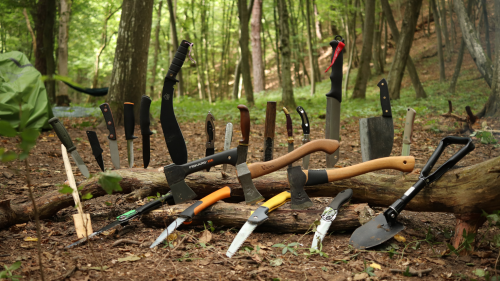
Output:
(281, 220)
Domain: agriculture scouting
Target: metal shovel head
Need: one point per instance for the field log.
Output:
(374, 232)
(376, 137)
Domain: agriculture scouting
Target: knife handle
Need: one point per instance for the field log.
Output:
(144, 116)
(210, 130)
(343, 197)
(385, 101)
(263, 168)
(337, 69)
(270, 124)
(410, 118)
(108, 117)
(94, 143)
(277, 200)
(305, 120)
(129, 120)
(206, 201)
(289, 126)
(245, 124)
(179, 58)
(62, 134)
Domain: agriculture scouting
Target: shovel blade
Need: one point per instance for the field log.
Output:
(374, 232)
(376, 137)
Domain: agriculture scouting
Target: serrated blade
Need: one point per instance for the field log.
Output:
(170, 229)
(113, 150)
(84, 239)
(130, 153)
(79, 162)
(327, 218)
(243, 234)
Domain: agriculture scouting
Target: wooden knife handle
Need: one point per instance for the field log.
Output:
(270, 120)
(263, 168)
(245, 124)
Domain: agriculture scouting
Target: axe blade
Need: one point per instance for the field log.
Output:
(252, 195)
(297, 180)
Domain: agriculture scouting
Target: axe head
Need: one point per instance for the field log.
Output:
(297, 180)
(180, 190)
(252, 195)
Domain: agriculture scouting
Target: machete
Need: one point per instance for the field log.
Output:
(129, 124)
(410, 118)
(210, 131)
(145, 132)
(227, 141)
(384, 226)
(96, 148)
(269, 131)
(110, 124)
(289, 131)
(65, 139)
(171, 130)
(123, 219)
(306, 134)
(334, 98)
(192, 211)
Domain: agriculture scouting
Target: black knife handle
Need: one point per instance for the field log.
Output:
(155, 204)
(144, 116)
(315, 177)
(94, 143)
(62, 134)
(129, 120)
(289, 126)
(343, 197)
(210, 130)
(108, 117)
(336, 75)
(245, 124)
(385, 101)
(179, 58)
(305, 120)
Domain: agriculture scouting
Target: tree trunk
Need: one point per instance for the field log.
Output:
(237, 74)
(258, 68)
(442, 75)
(444, 26)
(364, 71)
(309, 46)
(157, 50)
(244, 15)
(404, 44)
(317, 23)
(286, 54)
(62, 50)
(453, 33)
(276, 40)
(351, 44)
(487, 29)
(129, 75)
(175, 44)
(419, 89)
(295, 45)
(376, 46)
(200, 72)
(483, 63)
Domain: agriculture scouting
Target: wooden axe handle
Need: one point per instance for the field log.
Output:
(71, 179)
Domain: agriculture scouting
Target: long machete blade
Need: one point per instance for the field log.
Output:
(145, 132)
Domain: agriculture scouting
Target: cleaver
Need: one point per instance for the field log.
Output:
(377, 133)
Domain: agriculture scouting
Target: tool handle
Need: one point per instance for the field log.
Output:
(206, 201)
(229, 136)
(71, 179)
(343, 197)
(144, 116)
(270, 125)
(336, 74)
(410, 118)
(210, 130)
(155, 204)
(94, 143)
(289, 126)
(129, 120)
(62, 134)
(179, 58)
(385, 101)
(305, 121)
(263, 168)
(245, 124)
(277, 200)
(108, 117)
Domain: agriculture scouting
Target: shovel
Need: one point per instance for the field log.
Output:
(83, 225)
(385, 226)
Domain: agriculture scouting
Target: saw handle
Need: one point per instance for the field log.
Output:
(62, 134)
(94, 143)
(179, 58)
(385, 101)
(305, 121)
(245, 124)
(277, 200)
(343, 197)
(205, 202)
(144, 116)
(108, 117)
(129, 120)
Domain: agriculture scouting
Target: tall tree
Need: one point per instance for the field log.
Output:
(175, 44)
(244, 15)
(156, 50)
(442, 74)
(486, 28)
(351, 40)
(286, 54)
(317, 22)
(128, 78)
(403, 47)
(377, 64)
(364, 71)
(444, 27)
(258, 66)
(62, 50)
(460, 56)
(309, 47)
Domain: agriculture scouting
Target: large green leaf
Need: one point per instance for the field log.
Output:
(66, 189)
(9, 156)
(6, 129)
(110, 181)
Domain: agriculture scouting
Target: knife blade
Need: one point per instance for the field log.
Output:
(210, 132)
(410, 118)
(193, 210)
(96, 148)
(227, 141)
(289, 130)
(124, 218)
(269, 131)
(110, 124)
(329, 216)
(257, 217)
(65, 139)
(334, 98)
(145, 132)
(129, 124)
(306, 134)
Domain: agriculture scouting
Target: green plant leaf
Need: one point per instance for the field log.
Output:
(66, 189)
(407, 272)
(479, 272)
(87, 196)
(15, 266)
(285, 249)
(110, 181)
(276, 262)
(9, 156)
(278, 245)
(7, 130)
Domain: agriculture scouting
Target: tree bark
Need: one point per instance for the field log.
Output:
(444, 26)
(286, 74)
(62, 50)
(175, 44)
(404, 44)
(129, 75)
(200, 72)
(483, 63)
(276, 40)
(486, 29)
(244, 15)
(364, 71)
(453, 33)
(442, 75)
(377, 45)
(309, 46)
(317, 23)
(258, 67)
(156, 51)
(351, 43)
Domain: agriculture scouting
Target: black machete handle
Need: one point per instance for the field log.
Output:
(336, 75)
(179, 58)
(108, 117)
(305, 120)
(343, 197)
(129, 120)
(385, 101)
(144, 116)
(94, 143)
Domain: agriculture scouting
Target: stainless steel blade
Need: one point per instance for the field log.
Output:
(252, 195)
(327, 218)
(115, 157)
(243, 234)
(130, 153)
(227, 141)
(332, 128)
(305, 159)
(406, 149)
(79, 162)
(170, 229)
(290, 149)
(376, 137)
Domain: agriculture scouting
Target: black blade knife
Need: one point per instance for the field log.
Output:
(96, 148)
(145, 132)
(306, 131)
(210, 131)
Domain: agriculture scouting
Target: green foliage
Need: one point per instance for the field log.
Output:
(407, 272)
(287, 248)
(110, 181)
(7, 130)
(8, 272)
(210, 226)
(87, 196)
(486, 137)
(66, 189)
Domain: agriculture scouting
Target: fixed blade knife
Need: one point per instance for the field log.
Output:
(227, 141)
(410, 118)
(210, 132)
(145, 131)
(110, 124)
(96, 148)
(289, 131)
(306, 134)
(129, 124)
